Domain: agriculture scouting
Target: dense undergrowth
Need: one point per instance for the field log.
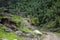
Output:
(43, 13)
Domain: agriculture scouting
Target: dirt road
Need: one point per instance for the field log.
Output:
(51, 36)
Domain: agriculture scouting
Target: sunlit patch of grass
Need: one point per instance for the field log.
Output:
(16, 18)
(9, 36)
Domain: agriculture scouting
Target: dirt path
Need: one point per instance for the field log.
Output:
(51, 36)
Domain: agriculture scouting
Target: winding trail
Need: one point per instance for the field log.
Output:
(51, 36)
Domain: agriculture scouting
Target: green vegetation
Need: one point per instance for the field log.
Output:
(41, 12)
(16, 19)
(11, 35)
(45, 14)
(23, 28)
(8, 35)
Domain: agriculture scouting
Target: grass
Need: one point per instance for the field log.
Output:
(8, 35)
(11, 35)
(16, 18)
(23, 28)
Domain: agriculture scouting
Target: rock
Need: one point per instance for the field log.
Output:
(37, 32)
(24, 22)
(7, 30)
(18, 33)
(45, 33)
(32, 27)
(29, 34)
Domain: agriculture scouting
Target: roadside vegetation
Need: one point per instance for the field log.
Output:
(44, 14)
